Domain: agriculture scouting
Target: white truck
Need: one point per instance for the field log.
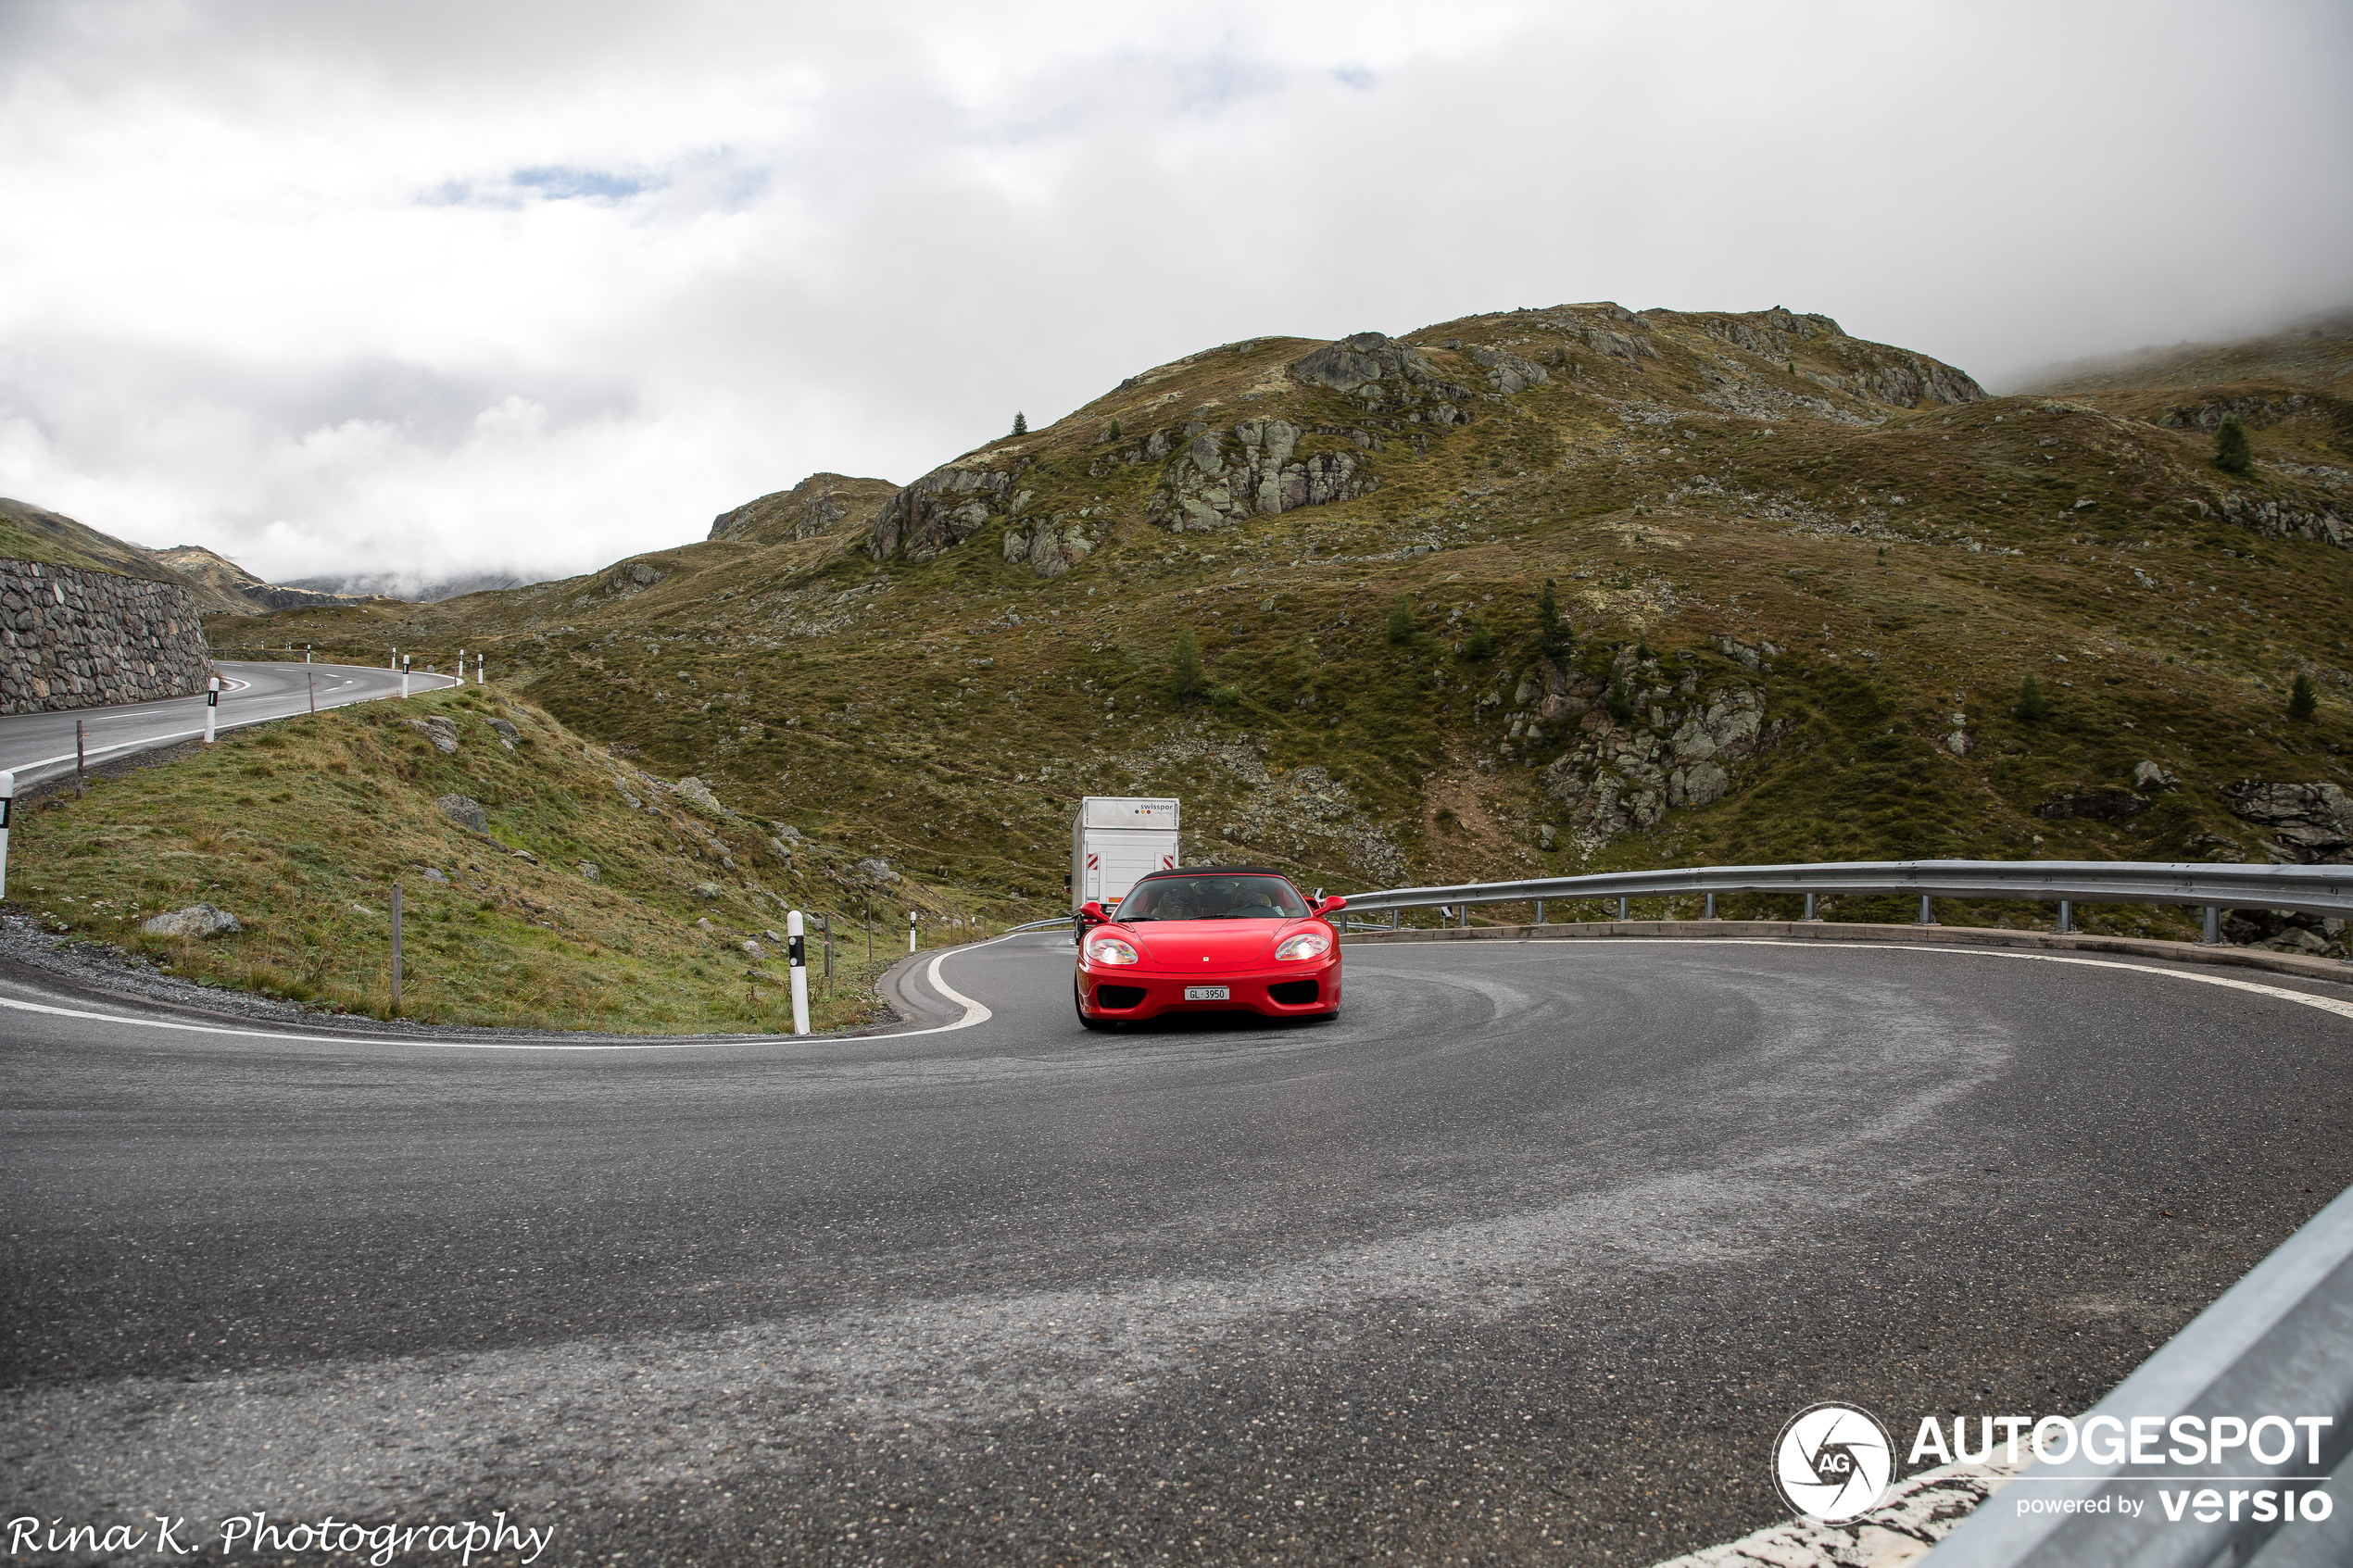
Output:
(1116, 839)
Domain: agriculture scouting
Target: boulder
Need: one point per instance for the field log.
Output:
(754, 951)
(707, 891)
(526, 857)
(2310, 824)
(443, 733)
(591, 872)
(465, 812)
(507, 733)
(699, 792)
(2149, 778)
(877, 872)
(196, 919)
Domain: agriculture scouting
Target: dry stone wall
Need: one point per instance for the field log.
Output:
(82, 639)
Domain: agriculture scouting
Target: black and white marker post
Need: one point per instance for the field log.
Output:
(8, 800)
(404, 680)
(211, 705)
(911, 931)
(799, 957)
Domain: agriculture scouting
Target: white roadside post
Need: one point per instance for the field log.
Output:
(911, 931)
(799, 957)
(478, 658)
(8, 800)
(211, 705)
(404, 679)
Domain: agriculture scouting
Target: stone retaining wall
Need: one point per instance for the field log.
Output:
(70, 638)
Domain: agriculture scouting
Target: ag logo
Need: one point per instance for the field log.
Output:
(1833, 1461)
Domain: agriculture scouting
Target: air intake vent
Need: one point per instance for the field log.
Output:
(1129, 996)
(1292, 993)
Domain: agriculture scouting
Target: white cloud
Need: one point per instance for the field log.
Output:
(528, 287)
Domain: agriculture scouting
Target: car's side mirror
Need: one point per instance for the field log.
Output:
(1091, 910)
(1333, 905)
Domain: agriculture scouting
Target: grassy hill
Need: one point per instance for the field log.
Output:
(1802, 578)
(591, 895)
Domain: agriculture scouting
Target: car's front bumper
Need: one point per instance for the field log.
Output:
(1291, 990)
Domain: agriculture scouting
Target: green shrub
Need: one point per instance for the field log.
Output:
(1552, 632)
(1185, 677)
(1481, 643)
(1620, 700)
(2233, 452)
(2032, 709)
(1400, 621)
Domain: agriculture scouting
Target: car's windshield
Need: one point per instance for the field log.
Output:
(1213, 898)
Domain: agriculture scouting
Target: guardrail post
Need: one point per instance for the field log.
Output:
(1810, 911)
(1928, 915)
(1540, 912)
(2213, 936)
(2067, 916)
(1621, 908)
(1711, 908)
(1393, 919)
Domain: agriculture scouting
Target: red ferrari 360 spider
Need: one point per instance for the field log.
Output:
(1206, 938)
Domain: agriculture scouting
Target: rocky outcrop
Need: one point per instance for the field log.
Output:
(1217, 480)
(1681, 747)
(937, 512)
(465, 812)
(70, 638)
(2310, 824)
(823, 503)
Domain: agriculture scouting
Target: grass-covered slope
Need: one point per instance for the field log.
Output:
(1804, 579)
(600, 896)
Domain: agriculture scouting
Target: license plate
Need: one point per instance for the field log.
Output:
(1209, 993)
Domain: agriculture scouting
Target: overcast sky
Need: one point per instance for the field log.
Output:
(443, 286)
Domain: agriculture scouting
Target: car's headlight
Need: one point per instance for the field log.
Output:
(1306, 944)
(1110, 949)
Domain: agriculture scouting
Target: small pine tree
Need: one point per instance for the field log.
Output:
(1021, 423)
(2232, 453)
(1551, 631)
(1400, 621)
(1185, 678)
(1115, 430)
(1481, 643)
(2303, 701)
(1621, 701)
(2031, 707)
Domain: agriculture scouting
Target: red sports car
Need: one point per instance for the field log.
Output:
(1206, 939)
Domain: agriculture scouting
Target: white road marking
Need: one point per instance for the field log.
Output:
(978, 1012)
(974, 1012)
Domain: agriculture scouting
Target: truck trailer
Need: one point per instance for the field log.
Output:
(1116, 839)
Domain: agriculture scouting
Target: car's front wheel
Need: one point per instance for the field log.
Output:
(1079, 1008)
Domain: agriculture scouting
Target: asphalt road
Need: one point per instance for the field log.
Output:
(1526, 1258)
(40, 746)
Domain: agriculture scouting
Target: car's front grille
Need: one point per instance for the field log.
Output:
(1291, 993)
(1126, 995)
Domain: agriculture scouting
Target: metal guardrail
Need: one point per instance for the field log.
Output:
(2320, 890)
(2279, 1343)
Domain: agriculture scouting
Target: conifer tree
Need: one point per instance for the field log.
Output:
(1021, 423)
(2302, 701)
(1185, 678)
(1400, 621)
(1480, 643)
(2031, 707)
(2232, 453)
(1551, 630)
